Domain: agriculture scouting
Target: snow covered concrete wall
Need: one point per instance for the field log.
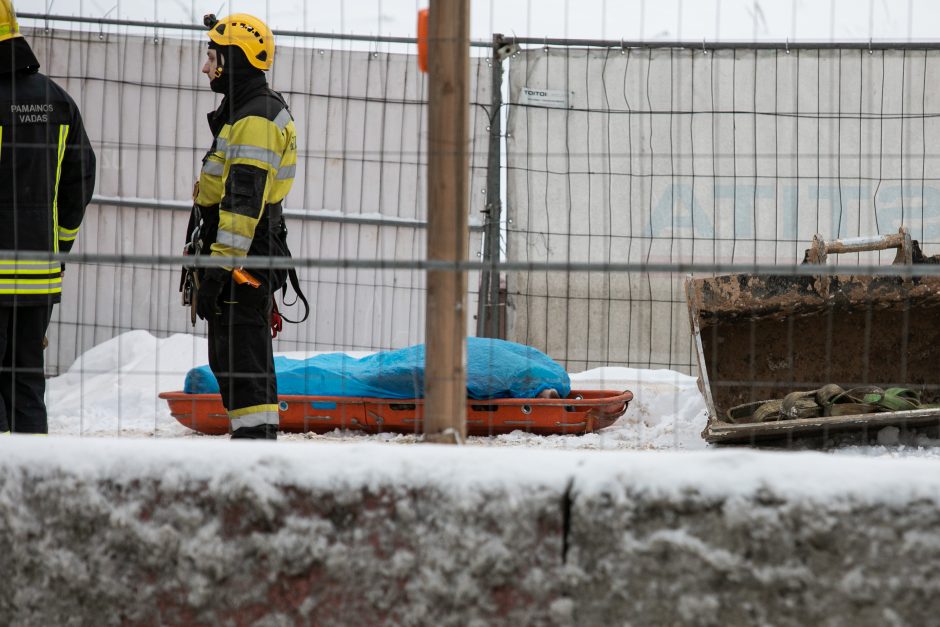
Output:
(108, 532)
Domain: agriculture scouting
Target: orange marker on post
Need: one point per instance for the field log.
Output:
(242, 276)
(423, 40)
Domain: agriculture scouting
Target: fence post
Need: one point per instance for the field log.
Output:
(445, 372)
(488, 308)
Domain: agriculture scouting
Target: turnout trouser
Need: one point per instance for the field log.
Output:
(22, 368)
(242, 360)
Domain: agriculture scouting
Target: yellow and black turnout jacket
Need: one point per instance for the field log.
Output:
(245, 176)
(47, 175)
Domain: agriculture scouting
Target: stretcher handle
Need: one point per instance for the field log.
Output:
(820, 249)
(618, 398)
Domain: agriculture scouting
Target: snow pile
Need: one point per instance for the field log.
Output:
(112, 390)
(667, 410)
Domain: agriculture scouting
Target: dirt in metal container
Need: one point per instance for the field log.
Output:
(760, 338)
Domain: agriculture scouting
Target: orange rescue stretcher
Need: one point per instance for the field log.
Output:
(583, 411)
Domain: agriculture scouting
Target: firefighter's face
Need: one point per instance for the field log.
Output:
(212, 63)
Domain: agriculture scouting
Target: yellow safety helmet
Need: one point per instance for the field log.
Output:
(8, 26)
(245, 31)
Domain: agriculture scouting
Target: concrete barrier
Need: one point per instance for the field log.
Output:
(218, 532)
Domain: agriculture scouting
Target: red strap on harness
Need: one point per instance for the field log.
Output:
(277, 323)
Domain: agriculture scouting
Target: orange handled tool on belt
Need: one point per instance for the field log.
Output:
(242, 277)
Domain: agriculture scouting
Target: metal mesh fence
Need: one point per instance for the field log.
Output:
(623, 169)
(359, 191)
(624, 154)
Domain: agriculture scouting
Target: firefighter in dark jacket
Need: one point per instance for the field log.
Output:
(245, 176)
(47, 174)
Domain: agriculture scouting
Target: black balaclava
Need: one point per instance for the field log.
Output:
(236, 70)
(17, 56)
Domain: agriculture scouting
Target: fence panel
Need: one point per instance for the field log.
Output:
(686, 155)
(359, 191)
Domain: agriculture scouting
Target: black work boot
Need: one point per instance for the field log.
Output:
(261, 432)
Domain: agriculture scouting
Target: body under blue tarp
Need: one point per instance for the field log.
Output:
(495, 369)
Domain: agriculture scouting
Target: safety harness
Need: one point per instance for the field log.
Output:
(189, 280)
(277, 318)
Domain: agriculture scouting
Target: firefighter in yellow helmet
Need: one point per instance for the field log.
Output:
(237, 214)
(47, 174)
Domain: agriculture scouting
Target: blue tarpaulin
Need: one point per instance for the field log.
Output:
(495, 369)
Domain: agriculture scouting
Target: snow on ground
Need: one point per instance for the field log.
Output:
(112, 389)
(667, 412)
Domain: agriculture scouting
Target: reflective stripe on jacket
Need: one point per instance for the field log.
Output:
(250, 167)
(47, 175)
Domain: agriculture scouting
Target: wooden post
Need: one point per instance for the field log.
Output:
(445, 373)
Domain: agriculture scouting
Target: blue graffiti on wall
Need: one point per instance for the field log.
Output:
(834, 207)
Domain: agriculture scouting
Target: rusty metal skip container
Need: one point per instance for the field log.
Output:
(760, 337)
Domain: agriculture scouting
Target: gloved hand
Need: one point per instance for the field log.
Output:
(207, 296)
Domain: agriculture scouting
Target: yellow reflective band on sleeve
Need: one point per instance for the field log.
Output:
(210, 190)
(257, 141)
(237, 224)
(287, 172)
(31, 281)
(63, 136)
(282, 119)
(29, 267)
(1, 142)
(67, 235)
(245, 153)
(213, 168)
(284, 177)
(231, 244)
(27, 286)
